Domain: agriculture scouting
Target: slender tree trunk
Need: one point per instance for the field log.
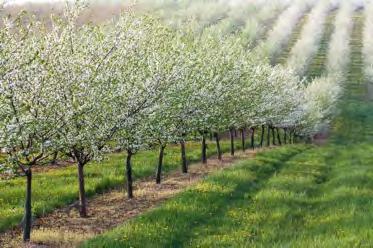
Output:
(204, 149)
(218, 146)
(129, 174)
(278, 136)
(268, 136)
(285, 136)
(82, 196)
(291, 137)
(262, 137)
(160, 163)
(231, 132)
(184, 166)
(54, 159)
(28, 211)
(235, 133)
(243, 139)
(253, 138)
(273, 136)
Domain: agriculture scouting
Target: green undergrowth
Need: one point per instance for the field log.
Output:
(287, 197)
(59, 187)
(201, 210)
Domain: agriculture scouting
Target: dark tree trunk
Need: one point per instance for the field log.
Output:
(204, 149)
(253, 138)
(231, 132)
(278, 136)
(160, 164)
(243, 130)
(184, 165)
(262, 137)
(54, 159)
(291, 138)
(268, 136)
(285, 136)
(82, 196)
(273, 136)
(28, 212)
(235, 133)
(218, 146)
(129, 174)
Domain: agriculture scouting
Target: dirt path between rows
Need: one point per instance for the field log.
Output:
(64, 228)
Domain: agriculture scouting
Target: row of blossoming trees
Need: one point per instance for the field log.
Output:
(71, 89)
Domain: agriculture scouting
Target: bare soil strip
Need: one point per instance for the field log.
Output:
(64, 227)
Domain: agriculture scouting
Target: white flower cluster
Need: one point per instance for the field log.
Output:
(73, 88)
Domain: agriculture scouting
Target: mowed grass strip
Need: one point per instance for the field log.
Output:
(195, 216)
(59, 187)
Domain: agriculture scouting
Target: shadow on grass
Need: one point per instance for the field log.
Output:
(176, 222)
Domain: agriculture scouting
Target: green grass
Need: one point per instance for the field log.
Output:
(288, 197)
(200, 210)
(59, 187)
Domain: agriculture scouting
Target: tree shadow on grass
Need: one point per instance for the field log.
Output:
(178, 221)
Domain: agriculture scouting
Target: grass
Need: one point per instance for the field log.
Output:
(288, 197)
(201, 210)
(59, 187)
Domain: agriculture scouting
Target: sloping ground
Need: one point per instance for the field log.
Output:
(295, 197)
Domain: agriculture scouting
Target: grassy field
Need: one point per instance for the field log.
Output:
(59, 187)
(202, 210)
(298, 196)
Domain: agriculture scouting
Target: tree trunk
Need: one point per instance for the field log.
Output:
(129, 175)
(28, 212)
(268, 136)
(160, 164)
(204, 149)
(235, 133)
(278, 136)
(54, 159)
(82, 196)
(184, 166)
(253, 138)
(231, 132)
(285, 136)
(273, 136)
(218, 146)
(262, 137)
(243, 139)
